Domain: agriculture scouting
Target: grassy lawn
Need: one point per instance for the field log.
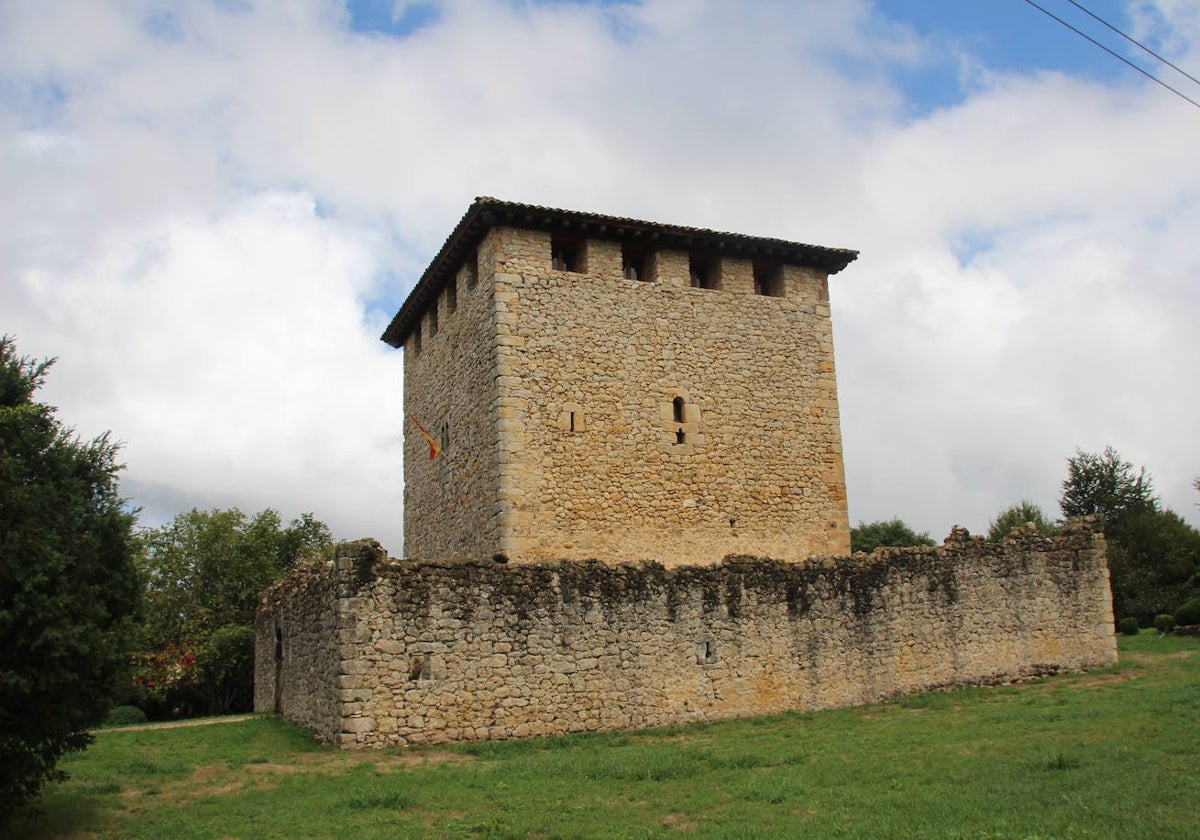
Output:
(1107, 754)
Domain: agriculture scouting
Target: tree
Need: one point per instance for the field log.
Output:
(892, 532)
(68, 585)
(1017, 516)
(1154, 564)
(203, 574)
(1105, 484)
(1153, 554)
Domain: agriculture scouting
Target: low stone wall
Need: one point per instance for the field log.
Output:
(298, 651)
(434, 652)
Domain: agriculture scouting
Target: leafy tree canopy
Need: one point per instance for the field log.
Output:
(68, 586)
(203, 573)
(1017, 516)
(893, 532)
(1106, 484)
(1153, 554)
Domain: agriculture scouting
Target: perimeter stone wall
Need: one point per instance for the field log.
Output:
(298, 655)
(431, 652)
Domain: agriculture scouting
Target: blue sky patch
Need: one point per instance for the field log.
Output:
(392, 18)
(966, 245)
(1008, 36)
(41, 100)
(164, 24)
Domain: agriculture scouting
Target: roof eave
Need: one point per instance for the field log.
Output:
(486, 213)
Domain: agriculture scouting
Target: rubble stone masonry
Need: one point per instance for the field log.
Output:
(372, 651)
(606, 408)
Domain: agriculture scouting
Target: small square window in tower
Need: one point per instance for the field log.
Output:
(634, 263)
(703, 272)
(768, 279)
(420, 667)
(566, 254)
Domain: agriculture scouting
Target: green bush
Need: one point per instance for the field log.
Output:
(125, 716)
(1128, 626)
(894, 532)
(1164, 623)
(1189, 613)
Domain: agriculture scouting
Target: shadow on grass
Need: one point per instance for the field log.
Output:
(53, 814)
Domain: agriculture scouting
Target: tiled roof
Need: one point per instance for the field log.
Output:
(486, 213)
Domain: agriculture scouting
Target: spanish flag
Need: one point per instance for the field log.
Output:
(434, 449)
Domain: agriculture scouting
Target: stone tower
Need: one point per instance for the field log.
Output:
(606, 388)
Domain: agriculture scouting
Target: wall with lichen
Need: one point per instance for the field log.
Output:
(298, 652)
(451, 651)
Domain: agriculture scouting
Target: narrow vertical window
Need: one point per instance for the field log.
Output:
(278, 670)
(633, 264)
(472, 266)
(570, 418)
(433, 320)
(452, 295)
(416, 338)
(445, 437)
(680, 419)
(702, 271)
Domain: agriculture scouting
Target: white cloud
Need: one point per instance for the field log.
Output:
(1068, 324)
(233, 357)
(211, 201)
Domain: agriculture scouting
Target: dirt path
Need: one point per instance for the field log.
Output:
(175, 724)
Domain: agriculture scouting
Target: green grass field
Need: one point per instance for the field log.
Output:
(1112, 753)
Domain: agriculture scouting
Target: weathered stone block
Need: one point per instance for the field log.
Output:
(358, 725)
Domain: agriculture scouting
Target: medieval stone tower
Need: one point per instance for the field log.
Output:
(607, 388)
(598, 387)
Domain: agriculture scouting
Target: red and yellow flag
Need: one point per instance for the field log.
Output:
(434, 449)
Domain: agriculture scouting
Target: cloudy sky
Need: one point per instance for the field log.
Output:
(209, 210)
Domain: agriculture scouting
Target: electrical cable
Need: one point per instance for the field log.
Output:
(1115, 55)
(1133, 40)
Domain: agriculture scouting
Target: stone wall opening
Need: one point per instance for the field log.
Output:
(567, 254)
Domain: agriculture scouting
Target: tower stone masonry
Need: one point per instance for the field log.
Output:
(606, 388)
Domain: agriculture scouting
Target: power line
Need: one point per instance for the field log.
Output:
(1133, 40)
(1115, 55)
